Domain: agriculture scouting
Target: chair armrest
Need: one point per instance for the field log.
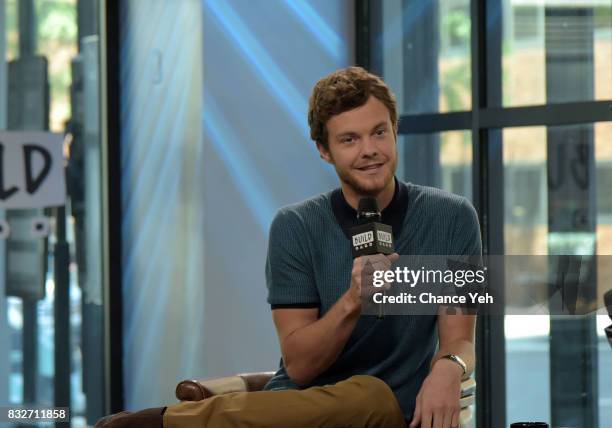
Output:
(196, 390)
(468, 393)
(468, 387)
(465, 417)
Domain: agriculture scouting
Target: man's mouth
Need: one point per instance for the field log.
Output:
(371, 167)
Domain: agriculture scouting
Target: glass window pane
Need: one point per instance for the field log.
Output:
(442, 160)
(11, 32)
(52, 338)
(556, 51)
(423, 52)
(603, 157)
(556, 185)
(525, 231)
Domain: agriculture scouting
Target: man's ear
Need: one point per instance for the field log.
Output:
(324, 153)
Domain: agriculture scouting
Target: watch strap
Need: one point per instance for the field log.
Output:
(457, 360)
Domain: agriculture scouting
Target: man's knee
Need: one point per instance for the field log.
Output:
(375, 399)
(376, 390)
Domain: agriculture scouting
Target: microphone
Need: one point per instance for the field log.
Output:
(367, 211)
(371, 236)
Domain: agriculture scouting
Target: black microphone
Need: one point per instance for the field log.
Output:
(367, 211)
(370, 236)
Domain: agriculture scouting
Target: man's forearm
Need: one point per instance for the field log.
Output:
(311, 349)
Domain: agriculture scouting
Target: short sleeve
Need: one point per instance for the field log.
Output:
(466, 239)
(289, 269)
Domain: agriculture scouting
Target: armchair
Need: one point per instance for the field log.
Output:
(196, 390)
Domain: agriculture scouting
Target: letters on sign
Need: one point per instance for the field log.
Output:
(31, 170)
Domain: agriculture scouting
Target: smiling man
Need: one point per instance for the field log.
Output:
(314, 284)
(362, 150)
(340, 367)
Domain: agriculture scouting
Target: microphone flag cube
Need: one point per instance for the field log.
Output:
(371, 238)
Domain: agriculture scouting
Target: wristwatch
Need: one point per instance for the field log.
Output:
(458, 360)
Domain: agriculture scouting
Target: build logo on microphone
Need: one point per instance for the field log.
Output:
(363, 240)
(385, 238)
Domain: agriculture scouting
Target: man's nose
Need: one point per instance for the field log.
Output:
(370, 147)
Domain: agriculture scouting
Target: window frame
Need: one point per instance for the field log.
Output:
(486, 120)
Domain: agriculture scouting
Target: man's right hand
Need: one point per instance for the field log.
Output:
(362, 277)
(310, 344)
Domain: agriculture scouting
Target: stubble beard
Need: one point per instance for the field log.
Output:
(354, 182)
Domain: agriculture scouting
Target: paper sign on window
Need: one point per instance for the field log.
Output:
(31, 170)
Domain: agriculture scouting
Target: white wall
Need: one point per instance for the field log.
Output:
(162, 230)
(261, 60)
(214, 141)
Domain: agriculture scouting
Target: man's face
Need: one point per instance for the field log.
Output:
(362, 148)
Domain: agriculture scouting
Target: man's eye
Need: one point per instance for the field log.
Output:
(381, 132)
(348, 140)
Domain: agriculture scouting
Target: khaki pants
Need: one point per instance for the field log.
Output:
(360, 401)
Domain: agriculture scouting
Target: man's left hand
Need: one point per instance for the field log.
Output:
(437, 404)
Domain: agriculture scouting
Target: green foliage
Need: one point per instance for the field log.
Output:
(56, 38)
(602, 17)
(456, 24)
(57, 20)
(453, 83)
(12, 42)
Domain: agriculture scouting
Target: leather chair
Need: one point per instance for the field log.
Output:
(196, 390)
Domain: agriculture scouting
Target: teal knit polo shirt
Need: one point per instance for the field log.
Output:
(309, 264)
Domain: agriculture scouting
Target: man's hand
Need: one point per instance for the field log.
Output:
(362, 276)
(437, 404)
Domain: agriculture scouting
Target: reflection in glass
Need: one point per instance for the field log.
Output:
(54, 342)
(441, 160)
(556, 43)
(525, 232)
(556, 186)
(424, 53)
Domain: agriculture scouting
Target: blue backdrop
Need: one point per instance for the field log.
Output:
(214, 141)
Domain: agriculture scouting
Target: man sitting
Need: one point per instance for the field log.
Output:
(339, 367)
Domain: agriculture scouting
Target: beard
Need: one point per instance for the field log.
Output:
(368, 186)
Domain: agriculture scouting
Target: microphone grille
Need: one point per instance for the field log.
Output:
(367, 204)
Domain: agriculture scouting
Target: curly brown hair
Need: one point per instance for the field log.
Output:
(344, 90)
